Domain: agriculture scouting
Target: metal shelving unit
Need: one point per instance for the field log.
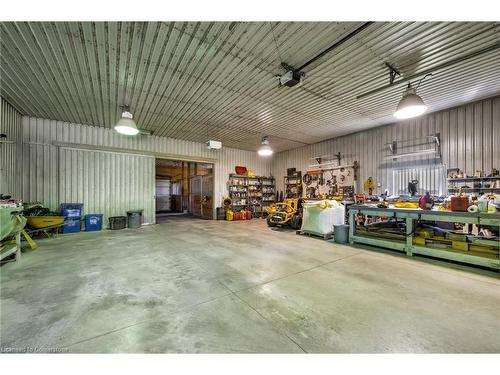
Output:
(492, 182)
(293, 186)
(252, 193)
(238, 190)
(268, 186)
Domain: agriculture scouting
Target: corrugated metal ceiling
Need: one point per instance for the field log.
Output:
(216, 80)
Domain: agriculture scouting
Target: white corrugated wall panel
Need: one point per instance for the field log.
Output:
(107, 182)
(495, 150)
(41, 179)
(10, 166)
(470, 139)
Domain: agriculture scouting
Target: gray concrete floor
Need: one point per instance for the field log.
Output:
(189, 285)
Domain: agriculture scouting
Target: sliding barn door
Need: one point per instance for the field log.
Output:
(207, 197)
(195, 195)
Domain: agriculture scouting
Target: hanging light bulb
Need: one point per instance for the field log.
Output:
(410, 105)
(265, 149)
(126, 124)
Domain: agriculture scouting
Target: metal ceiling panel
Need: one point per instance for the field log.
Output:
(217, 80)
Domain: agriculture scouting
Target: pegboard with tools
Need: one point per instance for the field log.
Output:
(329, 178)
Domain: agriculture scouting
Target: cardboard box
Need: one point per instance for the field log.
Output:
(456, 236)
(483, 249)
(459, 245)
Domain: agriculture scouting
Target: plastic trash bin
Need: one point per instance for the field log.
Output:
(341, 233)
(134, 218)
(93, 222)
(117, 222)
(72, 209)
(71, 225)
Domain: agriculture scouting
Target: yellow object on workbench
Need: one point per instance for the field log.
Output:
(406, 204)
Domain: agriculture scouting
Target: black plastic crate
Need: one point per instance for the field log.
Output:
(117, 222)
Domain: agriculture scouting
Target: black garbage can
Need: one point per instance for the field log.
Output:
(134, 218)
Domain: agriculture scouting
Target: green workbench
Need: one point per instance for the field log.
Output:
(410, 215)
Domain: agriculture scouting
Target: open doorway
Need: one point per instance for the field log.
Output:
(183, 189)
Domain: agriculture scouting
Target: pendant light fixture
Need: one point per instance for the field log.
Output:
(126, 124)
(411, 105)
(265, 149)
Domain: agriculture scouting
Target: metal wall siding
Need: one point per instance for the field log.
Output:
(470, 137)
(107, 182)
(495, 131)
(110, 182)
(10, 153)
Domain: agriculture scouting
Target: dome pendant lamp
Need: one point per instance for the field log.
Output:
(410, 105)
(126, 124)
(265, 149)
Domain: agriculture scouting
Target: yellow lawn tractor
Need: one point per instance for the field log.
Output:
(286, 213)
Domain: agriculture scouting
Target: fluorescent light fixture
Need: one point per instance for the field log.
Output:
(410, 105)
(265, 149)
(126, 124)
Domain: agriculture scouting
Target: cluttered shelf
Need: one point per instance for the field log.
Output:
(248, 194)
(474, 189)
(459, 181)
(473, 178)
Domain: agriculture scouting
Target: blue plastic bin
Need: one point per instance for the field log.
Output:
(72, 213)
(71, 209)
(93, 222)
(71, 225)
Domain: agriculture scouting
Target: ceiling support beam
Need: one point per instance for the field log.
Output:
(335, 45)
(431, 70)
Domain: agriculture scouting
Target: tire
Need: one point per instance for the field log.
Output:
(296, 222)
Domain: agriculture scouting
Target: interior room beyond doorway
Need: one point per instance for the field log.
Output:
(183, 188)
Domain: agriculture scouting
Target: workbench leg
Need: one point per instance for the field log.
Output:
(18, 246)
(409, 236)
(352, 225)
